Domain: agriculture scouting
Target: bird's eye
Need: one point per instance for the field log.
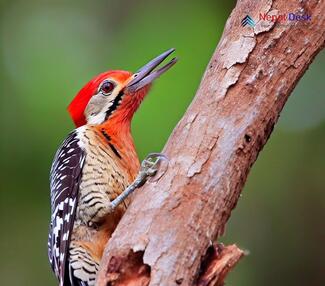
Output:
(107, 87)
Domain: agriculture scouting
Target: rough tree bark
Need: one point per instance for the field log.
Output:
(165, 236)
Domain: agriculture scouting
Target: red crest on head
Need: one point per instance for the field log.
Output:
(78, 105)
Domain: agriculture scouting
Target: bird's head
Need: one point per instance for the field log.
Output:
(115, 95)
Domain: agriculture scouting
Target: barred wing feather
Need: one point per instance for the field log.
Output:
(65, 179)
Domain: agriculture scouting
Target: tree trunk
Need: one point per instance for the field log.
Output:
(165, 237)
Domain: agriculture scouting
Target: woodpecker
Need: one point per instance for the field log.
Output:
(95, 169)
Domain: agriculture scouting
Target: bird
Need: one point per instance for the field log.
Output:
(95, 170)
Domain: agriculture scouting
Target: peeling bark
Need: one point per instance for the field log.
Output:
(217, 263)
(172, 221)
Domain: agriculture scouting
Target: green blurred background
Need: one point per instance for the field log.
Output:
(49, 49)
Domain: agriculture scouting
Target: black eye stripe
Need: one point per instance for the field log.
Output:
(115, 104)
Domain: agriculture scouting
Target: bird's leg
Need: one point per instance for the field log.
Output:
(149, 168)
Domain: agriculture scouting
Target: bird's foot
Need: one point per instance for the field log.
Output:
(149, 168)
(150, 164)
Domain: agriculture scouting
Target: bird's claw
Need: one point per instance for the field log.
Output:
(151, 163)
(149, 168)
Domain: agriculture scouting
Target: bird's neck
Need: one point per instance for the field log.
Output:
(121, 138)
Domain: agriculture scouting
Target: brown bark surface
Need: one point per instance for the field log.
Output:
(165, 235)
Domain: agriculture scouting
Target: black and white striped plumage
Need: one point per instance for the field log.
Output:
(65, 178)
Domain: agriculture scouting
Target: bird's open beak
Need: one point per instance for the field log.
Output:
(147, 73)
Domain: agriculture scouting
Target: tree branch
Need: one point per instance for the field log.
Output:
(166, 234)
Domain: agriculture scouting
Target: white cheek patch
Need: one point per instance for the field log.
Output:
(97, 119)
(100, 117)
